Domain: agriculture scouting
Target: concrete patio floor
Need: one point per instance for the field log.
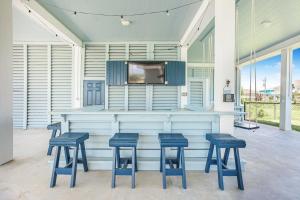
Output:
(272, 172)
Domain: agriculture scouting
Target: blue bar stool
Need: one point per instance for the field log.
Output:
(227, 142)
(169, 140)
(120, 165)
(68, 140)
(210, 161)
(56, 128)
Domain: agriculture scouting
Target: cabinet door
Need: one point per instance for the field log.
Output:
(93, 93)
(116, 73)
(175, 73)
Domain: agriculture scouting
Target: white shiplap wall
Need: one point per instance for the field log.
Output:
(164, 97)
(95, 58)
(196, 94)
(61, 79)
(165, 52)
(137, 97)
(42, 80)
(202, 73)
(45, 71)
(137, 51)
(116, 97)
(18, 86)
(37, 102)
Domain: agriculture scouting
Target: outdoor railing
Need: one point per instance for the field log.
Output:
(269, 113)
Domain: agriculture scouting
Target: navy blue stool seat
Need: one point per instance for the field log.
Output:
(169, 140)
(210, 136)
(227, 142)
(69, 140)
(120, 165)
(56, 128)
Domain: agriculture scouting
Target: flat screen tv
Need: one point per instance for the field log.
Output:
(146, 72)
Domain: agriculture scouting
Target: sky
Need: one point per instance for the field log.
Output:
(269, 69)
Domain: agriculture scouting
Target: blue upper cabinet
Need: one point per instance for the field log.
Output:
(116, 72)
(175, 73)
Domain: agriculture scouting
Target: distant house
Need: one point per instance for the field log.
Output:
(296, 86)
(296, 91)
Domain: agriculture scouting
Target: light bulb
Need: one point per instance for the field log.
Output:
(125, 22)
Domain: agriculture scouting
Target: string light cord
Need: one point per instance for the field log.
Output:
(200, 23)
(120, 15)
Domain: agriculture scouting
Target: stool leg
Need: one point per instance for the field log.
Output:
(118, 157)
(83, 153)
(226, 156)
(133, 168)
(164, 179)
(220, 169)
(113, 178)
(136, 168)
(238, 169)
(74, 167)
(183, 168)
(160, 160)
(55, 165)
(209, 157)
(67, 155)
(49, 152)
(178, 157)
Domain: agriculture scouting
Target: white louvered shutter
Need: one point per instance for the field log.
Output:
(137, 97)
(37, 115)
(137, 51)
(196, 94)
(95, 64)
(116, 97)
(165, 52)
(18, 86)
(61, 79)
(117, 52)
(116, 94)
(164, 97)
(205, 73)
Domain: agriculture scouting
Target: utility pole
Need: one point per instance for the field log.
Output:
(265, 85)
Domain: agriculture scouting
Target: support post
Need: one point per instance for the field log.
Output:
(286, 90)
(224, 59)
(182, 100)
(6, 126)
(77, 81)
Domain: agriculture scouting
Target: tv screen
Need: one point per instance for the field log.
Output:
(146, 72)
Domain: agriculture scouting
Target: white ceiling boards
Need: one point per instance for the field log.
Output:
(154, 27)
(283, 16)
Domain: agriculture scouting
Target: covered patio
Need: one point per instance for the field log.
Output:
(146, 98)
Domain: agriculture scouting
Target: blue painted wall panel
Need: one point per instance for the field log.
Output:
(175, 73)
(116, 73)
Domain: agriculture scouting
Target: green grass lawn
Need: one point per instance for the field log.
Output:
(269, 113)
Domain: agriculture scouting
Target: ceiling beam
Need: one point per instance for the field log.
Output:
(272, 50)
(202, 18)
(49, 20)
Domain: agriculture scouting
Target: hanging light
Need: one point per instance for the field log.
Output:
(266, 23)
(125, 22)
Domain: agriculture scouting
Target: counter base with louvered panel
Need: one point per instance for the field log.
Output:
(103, 124)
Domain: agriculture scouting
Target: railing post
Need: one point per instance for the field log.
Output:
(274, 111)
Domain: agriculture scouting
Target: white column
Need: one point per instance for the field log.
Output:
(183, 89)
(224, 59)
(6, 127)
(286, 90)
(238, 86)
(76, 77)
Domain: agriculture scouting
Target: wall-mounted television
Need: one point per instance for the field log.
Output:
(141, 72)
